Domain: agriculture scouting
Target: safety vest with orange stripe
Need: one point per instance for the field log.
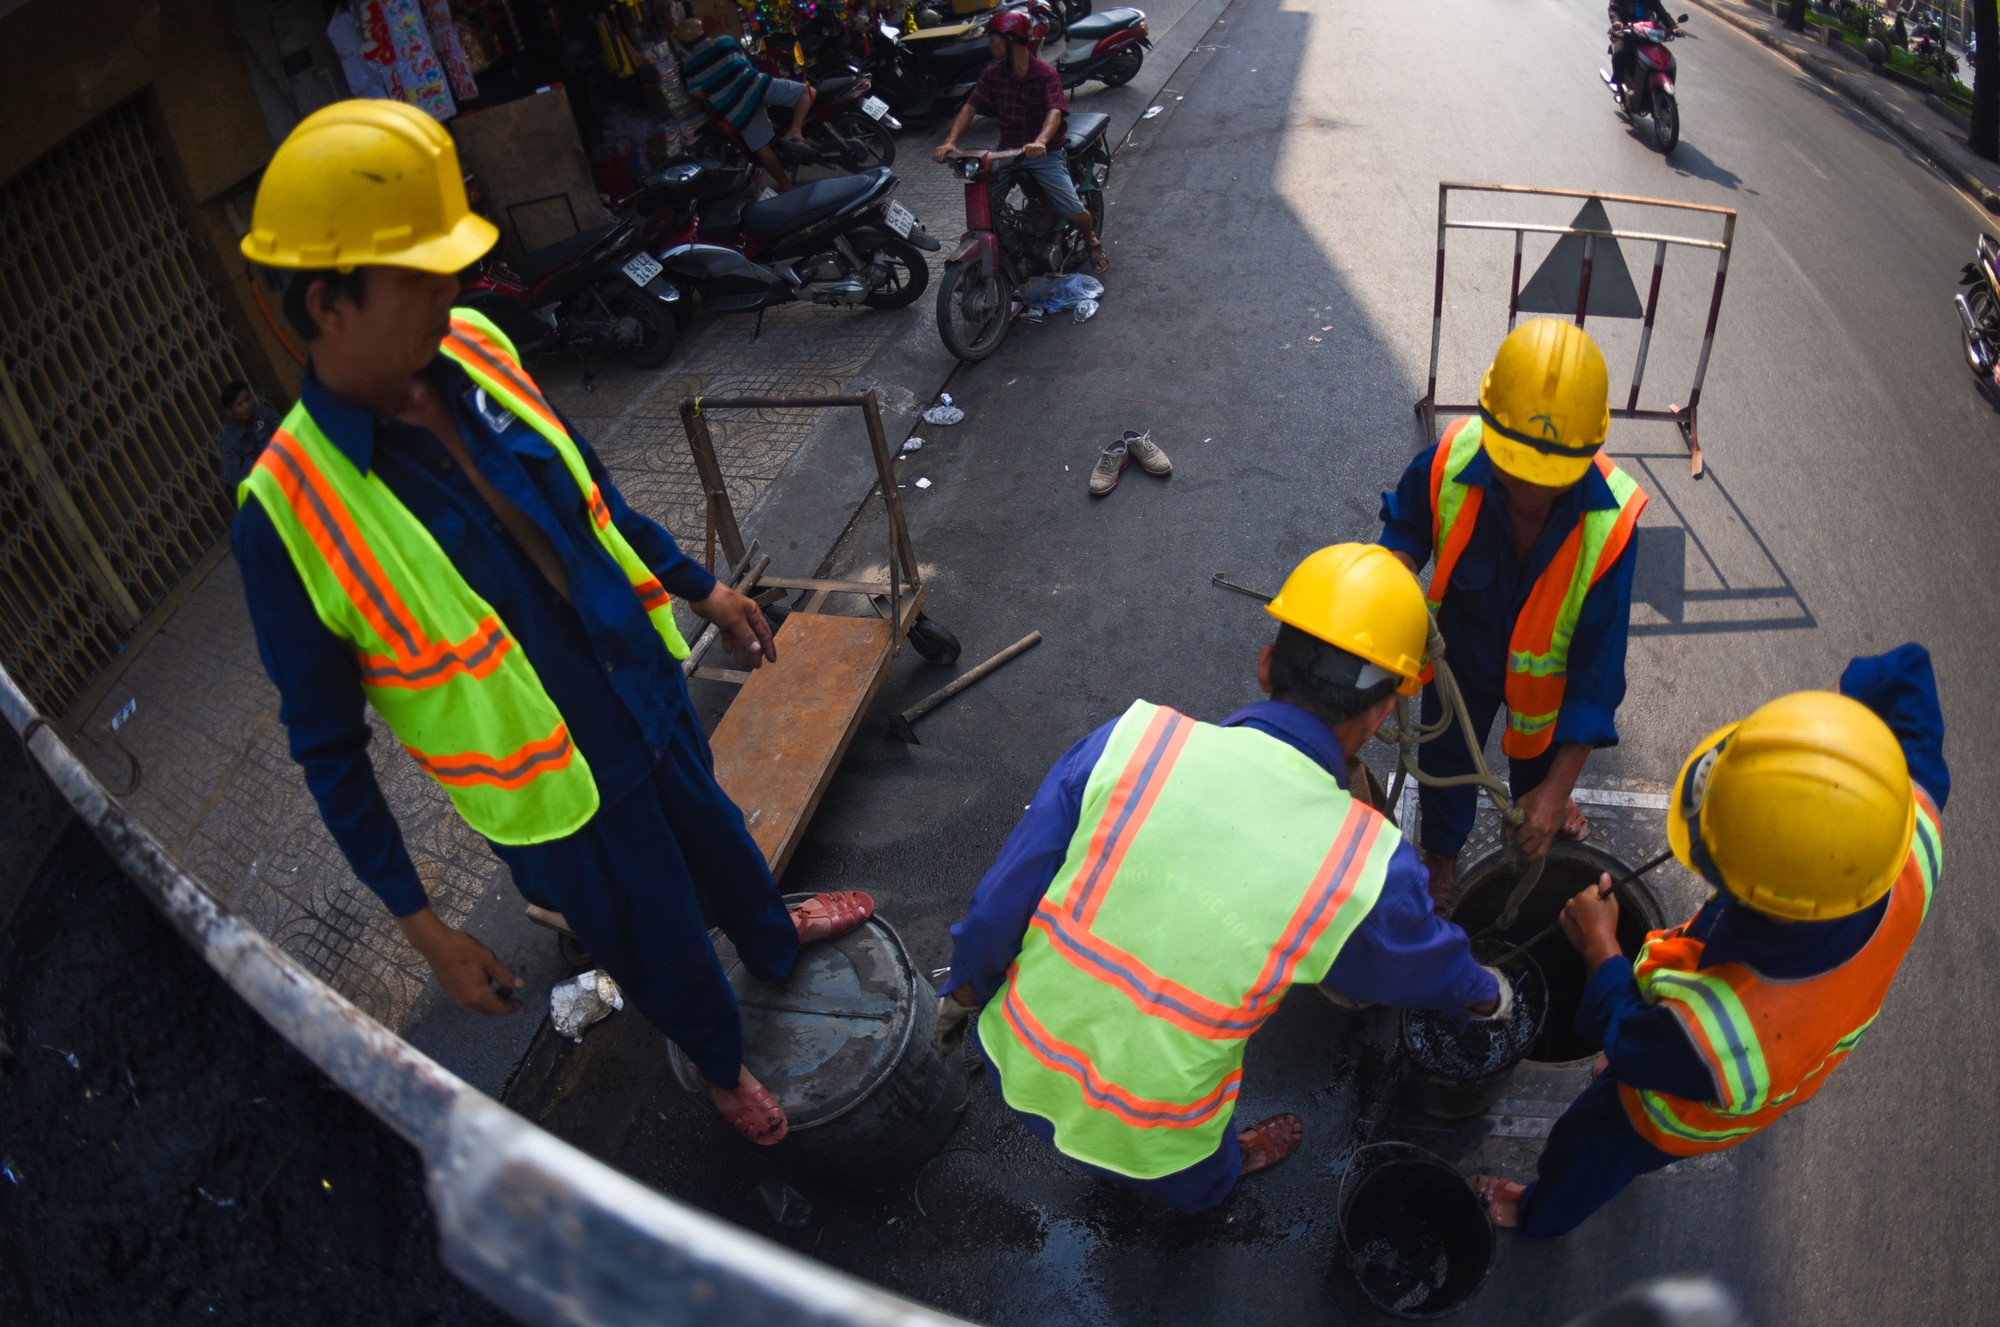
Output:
(435, 660)
(1770, 1044)
(1211, 869)
(1538, 652)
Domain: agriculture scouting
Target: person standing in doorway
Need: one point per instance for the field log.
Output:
(247, 424)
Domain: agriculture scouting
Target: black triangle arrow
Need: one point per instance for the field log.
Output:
(1553, 287)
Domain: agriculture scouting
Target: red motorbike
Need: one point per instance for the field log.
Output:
(849, 128)
(1012, 233)
(1653, 69)
(597, 291)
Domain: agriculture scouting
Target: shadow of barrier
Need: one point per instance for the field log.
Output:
(1709, 571)
(1585, 273)
(545, 1232)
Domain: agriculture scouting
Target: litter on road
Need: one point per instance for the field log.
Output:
(944, 412)
(582, 1000)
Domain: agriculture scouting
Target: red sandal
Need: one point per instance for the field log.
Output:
(756, 1114)
(824, 916)
(1270, 1141)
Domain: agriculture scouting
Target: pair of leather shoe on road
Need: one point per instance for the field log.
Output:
(1132, 447)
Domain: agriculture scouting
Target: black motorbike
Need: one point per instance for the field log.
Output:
(840, 242)
(1979, 314)
(597, 291)
(921, 77)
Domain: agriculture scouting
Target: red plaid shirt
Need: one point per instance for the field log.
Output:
(1019, 104)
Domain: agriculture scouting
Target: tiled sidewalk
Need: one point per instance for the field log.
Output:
(219, 785)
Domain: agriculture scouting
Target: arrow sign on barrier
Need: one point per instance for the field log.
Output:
(1552, 289)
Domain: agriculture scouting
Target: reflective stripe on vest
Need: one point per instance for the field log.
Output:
(1210, 870)
(1769, 1045)
(488, 357)
(1538, 651)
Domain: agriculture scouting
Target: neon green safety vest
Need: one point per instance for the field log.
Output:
(436, 662)
(1211, 869)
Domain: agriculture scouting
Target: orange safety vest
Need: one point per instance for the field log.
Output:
(1770, 1044)
(1538, 651)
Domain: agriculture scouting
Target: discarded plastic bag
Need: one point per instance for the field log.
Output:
(913, 445)
(944, 412)
(1052, 294)
(584, 999)
(1086, 310)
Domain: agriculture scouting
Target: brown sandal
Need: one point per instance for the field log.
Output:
(1270, 1141)
(1502, 1198)
(824, 916)
(756, 1114)
(1100, 261)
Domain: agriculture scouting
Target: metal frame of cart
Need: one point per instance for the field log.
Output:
(1684, 417)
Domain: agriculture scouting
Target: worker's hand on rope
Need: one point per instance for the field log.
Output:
(745, 633)
(466, 969)
(1543, 809)
(1590, 923)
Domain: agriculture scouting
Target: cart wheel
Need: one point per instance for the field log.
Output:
(937, 645)
(573, 953)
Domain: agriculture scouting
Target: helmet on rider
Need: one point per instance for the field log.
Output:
(1014, 27)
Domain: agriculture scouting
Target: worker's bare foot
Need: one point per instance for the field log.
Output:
(1575, 825)
(1444, 881)
(1502, 1198)
(751, 1110)
(824, 916)
(1268, 1142)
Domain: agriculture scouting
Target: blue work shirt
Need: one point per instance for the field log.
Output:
(1491, 584)
(1401, 953)
(1647, 1044)
(597, 653)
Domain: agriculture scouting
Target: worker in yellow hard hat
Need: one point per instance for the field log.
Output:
(1531, 527)
(1172, 879)
(1816, 820)
(424, 535)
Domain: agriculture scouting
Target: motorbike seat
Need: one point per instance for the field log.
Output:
(1096, 27)
(1084, 128)
(807, 204)
(541, 262)
(829, 88)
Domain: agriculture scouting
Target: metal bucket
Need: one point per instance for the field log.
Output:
(1453, 1075)
(849, 1047)
(1415, 1241)
(1483, 890)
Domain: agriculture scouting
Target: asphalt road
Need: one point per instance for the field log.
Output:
(1268, 318)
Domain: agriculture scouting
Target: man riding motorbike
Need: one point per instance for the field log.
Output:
(1026, 96)
(1624, 13)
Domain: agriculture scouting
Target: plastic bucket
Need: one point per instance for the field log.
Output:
(1415, 1241)
(1453, 1074)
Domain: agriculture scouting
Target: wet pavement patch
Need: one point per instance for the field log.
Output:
(169, 1158)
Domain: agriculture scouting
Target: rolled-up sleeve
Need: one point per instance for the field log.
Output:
(1596, 685)
(324, 713)
(986, 941)
(1406, 513)
(1404, 955)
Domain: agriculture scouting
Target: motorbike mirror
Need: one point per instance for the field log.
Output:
(1682, 19)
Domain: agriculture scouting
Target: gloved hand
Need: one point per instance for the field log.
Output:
(1506, 1004)
(953, 1019)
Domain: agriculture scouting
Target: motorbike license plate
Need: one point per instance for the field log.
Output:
(875, 108)
(641, 269)
(900, 219)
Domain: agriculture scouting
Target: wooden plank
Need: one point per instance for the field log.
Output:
(777, 747)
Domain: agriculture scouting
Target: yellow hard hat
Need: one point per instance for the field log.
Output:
(363, 183)
(1545, 403)
(1804, 810)
(1359, 598)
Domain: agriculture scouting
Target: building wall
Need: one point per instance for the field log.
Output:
(65, 62)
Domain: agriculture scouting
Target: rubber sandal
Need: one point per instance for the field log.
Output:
(824, 916)
(1100, 261)
(1575, 825)
(1502, 1198)
(1270, 1141)
(757, 1114)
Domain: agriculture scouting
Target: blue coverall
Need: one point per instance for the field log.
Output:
(1489, 587)
(666, 840)
(1593, 1152)
(1400, 954)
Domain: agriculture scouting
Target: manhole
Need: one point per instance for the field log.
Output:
(1483, 890)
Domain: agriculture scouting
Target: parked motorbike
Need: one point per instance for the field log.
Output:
(1979, 313)
(1653, 70)
(1109, 47)
(840, 241)
(849, 128)
(597, 291)
(1013, 233)
(921, 75)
